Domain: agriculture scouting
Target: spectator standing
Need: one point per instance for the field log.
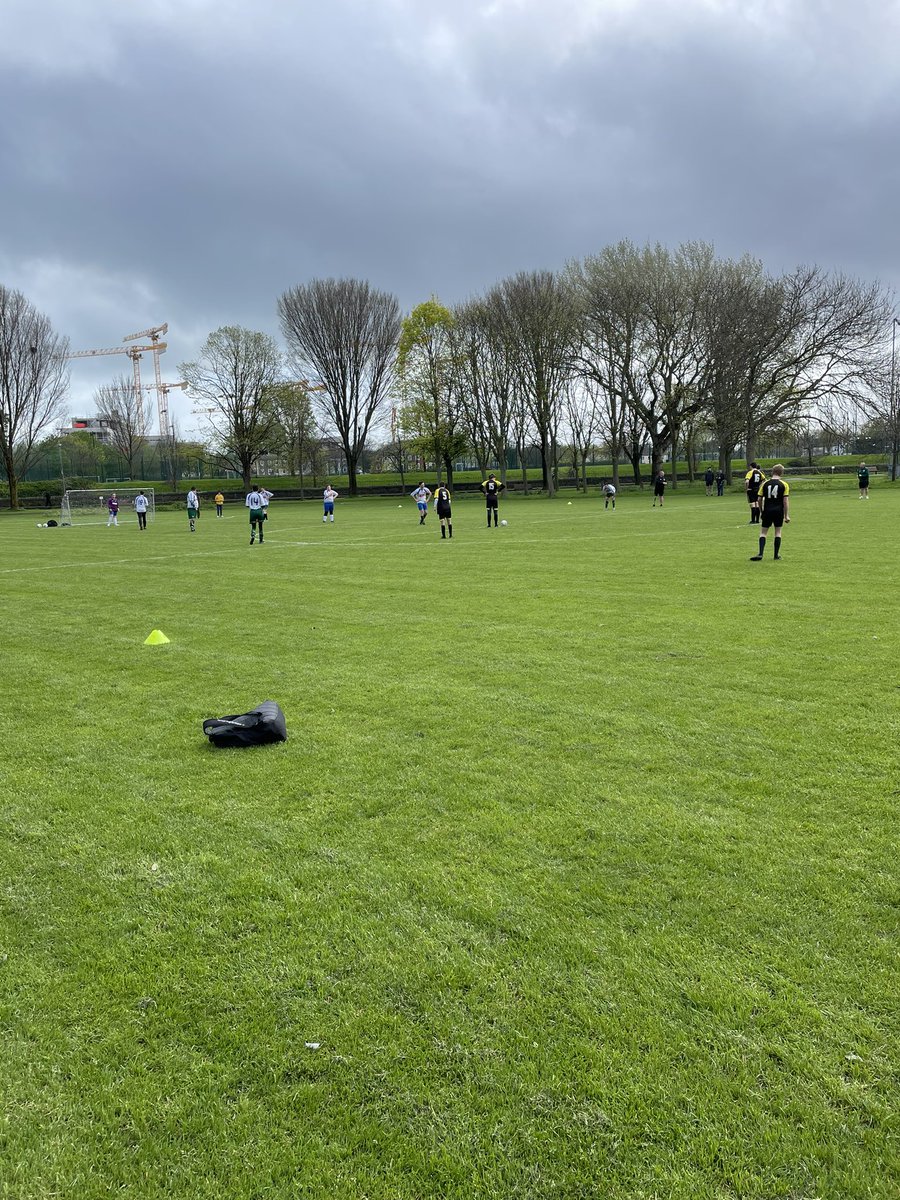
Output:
(659, 487)
(862, 475)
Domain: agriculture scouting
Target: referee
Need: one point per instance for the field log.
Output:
(773, 496)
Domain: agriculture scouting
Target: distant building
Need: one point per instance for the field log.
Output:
(97, 427)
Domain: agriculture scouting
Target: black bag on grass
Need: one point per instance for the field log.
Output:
(265, 724)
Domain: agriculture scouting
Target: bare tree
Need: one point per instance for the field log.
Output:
(582, 416)
(346, 333)
(540, 325)
(642, 340)
(232, 379)
(33, 383)
(830, 343)
(488, 378)
(120, 406)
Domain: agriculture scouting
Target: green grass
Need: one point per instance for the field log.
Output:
(579, 865)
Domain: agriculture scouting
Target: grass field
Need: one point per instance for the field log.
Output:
(577, 876)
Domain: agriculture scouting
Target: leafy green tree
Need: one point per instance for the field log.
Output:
(300, 435)
(428, 367)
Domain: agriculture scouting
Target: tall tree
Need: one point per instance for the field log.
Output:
(232, 379)
(120, 406)
(830, 342)
(641, 318)
(346, 333)
(583, 418)
(33, 383)
(299, 430)
(487, 382)
(540, 324)
(428, 376)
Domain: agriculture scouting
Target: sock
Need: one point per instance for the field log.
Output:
(443, 532)
(762, 545)
(450, 528)
(777, 546)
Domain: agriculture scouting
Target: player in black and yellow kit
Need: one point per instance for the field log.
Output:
(773, 497)
(442, 508)
(754, 480)
(492, 490)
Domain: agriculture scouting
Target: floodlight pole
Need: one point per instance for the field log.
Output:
(895, 431)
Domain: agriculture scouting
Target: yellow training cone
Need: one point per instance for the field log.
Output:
(156, 638)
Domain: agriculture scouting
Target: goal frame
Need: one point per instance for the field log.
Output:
(87, 506)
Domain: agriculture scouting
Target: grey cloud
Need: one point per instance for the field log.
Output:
(202, 168)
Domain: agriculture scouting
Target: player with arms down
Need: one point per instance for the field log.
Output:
(754, 479)
(775, 510)
(442, 500)
(492, 490)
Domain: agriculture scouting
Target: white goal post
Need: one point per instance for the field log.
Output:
(89, 506)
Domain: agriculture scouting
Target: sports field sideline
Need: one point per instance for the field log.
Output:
(576, 876)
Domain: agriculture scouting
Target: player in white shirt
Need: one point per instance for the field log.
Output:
(328, 498)
(266, 497)
(254, 502)
(422, 495)
(609, 493)
(193, 509)
(141, 504)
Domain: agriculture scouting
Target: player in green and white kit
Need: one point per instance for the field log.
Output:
(254, 502)
(193, 509)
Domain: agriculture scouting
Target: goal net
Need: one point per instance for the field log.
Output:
(90, 507)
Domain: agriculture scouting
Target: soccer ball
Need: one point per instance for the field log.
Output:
(570, 504)
(399, 505)
(504, 522)
(40, 524)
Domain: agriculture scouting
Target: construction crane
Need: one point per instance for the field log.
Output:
(162, 393)
(134, 353)
(156, 347)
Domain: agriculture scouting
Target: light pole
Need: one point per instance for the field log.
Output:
(892, 407)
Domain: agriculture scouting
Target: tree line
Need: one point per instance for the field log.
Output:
(640, 350)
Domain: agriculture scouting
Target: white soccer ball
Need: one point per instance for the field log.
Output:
(399, 505)
(40, 525)
(570, 504)
(504, 522)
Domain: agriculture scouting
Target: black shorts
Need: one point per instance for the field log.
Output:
(659, 491)
(752, 497)
(492, 501)
(772, 516)
(443, 510)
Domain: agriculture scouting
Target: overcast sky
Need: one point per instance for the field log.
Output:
(186, 161)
